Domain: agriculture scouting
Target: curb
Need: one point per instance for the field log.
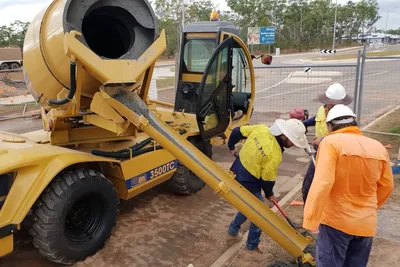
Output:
(380, 118)
(236, 247)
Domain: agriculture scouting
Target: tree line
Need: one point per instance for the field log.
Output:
(13, 34)
(300, 24)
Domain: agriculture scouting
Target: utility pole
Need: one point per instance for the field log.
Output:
(387, 16)
(334, 28)
(183, 14)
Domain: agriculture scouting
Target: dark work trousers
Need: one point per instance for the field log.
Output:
(338, 249)
(308, 178)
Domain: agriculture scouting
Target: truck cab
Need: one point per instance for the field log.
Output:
(215, 77)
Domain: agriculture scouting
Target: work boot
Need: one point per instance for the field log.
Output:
(253, 255)
(230, 240)
(238, 115)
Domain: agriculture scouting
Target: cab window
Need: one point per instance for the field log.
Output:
(240, 72)
(197, 53)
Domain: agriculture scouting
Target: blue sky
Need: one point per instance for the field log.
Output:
(26, 10)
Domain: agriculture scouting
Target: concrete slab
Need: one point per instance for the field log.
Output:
(14, 100)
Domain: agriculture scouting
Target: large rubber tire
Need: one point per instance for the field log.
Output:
(74, 216)
(185, 182)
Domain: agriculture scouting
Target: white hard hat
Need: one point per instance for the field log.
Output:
(335, 94)
(340, 111)
(292, 129)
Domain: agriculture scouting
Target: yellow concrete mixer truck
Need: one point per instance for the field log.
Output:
(89, 64)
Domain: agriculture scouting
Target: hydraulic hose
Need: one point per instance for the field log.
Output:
(72, 78)
(125, 155)
(126, 152)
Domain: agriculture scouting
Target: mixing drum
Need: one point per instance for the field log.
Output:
(112, 29)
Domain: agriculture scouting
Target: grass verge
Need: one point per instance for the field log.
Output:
(389, 124)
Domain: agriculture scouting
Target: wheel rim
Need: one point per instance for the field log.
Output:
(84, 219)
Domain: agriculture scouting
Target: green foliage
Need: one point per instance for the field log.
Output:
(14, 34)
(395, 130)
(301, 24)
(394, 31)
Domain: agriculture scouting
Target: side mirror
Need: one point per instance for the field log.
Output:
(265, 59)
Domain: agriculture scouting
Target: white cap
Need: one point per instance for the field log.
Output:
(335, 94)
(340, 111)
(292, 129)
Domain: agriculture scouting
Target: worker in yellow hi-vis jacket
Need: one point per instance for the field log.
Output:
(257, 164)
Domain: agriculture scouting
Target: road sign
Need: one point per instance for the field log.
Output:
(328, 51)
(267, 35)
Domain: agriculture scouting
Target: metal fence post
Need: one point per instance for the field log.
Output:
(177, 57)
(356, 102)
(360, 92)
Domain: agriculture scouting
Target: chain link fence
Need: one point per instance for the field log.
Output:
(279, 89)
(379, 87)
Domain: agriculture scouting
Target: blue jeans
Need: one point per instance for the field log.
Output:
(338, 249)
(253, 238)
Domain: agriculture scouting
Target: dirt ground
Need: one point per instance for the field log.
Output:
(161, 229)
(10, 85)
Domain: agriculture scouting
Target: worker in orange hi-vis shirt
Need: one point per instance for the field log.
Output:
(353, 179)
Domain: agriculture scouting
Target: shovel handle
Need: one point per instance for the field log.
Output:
(284, 214)
(279, 208)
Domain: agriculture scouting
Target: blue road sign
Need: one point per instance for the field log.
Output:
(267, 35)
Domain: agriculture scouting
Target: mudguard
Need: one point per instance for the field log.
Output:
(35, 165)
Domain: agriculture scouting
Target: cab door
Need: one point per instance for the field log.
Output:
(213, 102)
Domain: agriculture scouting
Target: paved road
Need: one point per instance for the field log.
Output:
(281, 89)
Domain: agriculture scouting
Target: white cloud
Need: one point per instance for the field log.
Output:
(26, 10)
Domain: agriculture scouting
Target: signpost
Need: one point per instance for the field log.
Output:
(261, 35)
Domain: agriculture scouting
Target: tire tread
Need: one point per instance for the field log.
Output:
(45, 213)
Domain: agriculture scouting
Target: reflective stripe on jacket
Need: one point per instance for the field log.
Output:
(353, 178)
(321, 129)
(261, 154)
